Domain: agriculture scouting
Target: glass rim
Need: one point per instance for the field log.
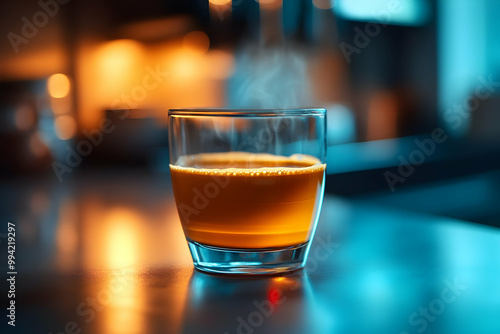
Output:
(248, 112)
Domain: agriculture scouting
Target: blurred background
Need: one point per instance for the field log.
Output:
(412, 90)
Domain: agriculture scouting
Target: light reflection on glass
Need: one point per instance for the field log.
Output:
(279, 304)
(285, 283)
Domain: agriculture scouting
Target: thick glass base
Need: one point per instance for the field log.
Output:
(248, 261)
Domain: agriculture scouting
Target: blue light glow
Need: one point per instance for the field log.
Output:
(395, 12)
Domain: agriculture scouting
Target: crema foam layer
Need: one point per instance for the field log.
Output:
(247, 164)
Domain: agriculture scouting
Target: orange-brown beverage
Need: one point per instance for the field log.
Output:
(245, 200)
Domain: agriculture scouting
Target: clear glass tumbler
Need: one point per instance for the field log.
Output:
(248, 185)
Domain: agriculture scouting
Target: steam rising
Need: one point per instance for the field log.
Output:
(270, 78)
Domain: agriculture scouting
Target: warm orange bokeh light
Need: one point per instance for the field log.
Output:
(220, 64)
(58, 85)
(60, 106)
(119, 55)
(270, 4)
(33, 62)
(65, 127)
(197, 41)
(220, 9)
(219, 2)
(117, 66)
(185, 65)
(105, 72)
(178, 73)
(122, 238)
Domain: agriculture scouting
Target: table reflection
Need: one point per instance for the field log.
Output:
(92, 232)
(101, 254)
(122, 297)
(281, 304)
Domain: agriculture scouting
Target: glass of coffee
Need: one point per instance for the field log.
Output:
(248, 185)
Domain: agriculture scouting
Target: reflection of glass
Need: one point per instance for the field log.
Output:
(263, 305)
(248, 186)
